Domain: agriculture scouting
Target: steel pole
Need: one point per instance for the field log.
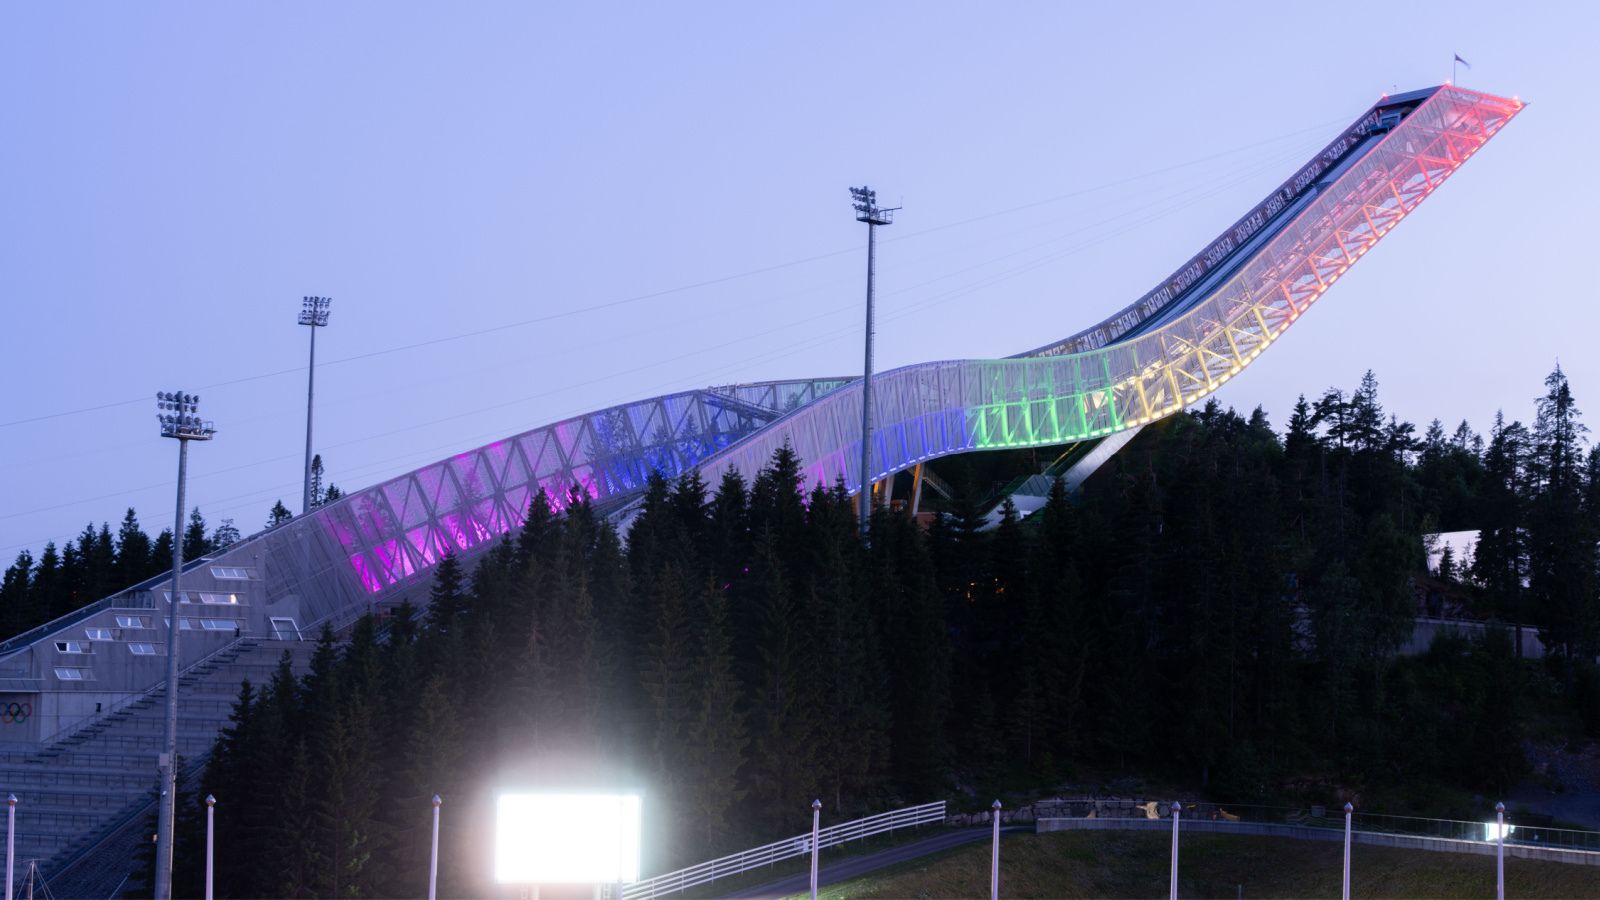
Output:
(1177, 811)
(211, 812)
(169, 759)
(433, 858)
(994, 856)
(311, 381)
(816, 822)
(1500, 851)
(1348, 809)
(866, 392)
(11, 831)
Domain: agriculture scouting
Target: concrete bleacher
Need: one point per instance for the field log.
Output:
(100, 780)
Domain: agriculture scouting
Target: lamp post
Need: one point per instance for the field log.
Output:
(11, 830)
(433, 858)
(1348, 809)
(1177, 811)
(211, 812)
(313, 313)
(816, 822)
(1500, 851)
(868, 211)
(994, 855)
(180, 420)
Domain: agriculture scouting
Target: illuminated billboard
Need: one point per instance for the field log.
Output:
(566, 838)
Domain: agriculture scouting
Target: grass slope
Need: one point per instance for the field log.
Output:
(1129, 864)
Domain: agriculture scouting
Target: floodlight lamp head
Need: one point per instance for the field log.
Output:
(314, 311)
(180, 417)
(866, 206)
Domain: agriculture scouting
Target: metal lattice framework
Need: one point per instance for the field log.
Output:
(1171, 348)
(935, 409)
(389, 534)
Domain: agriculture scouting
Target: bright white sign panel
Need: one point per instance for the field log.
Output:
(566, 838)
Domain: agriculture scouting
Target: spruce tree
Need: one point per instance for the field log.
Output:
(1500, 560)
(133, 553)
(53, 581)
(718, 726)
(783, 771)
(1562, 577)
(161, 552)
(16, 606)
(278, 515)
(909, 609)
(667, 679)
(447, 600)
(316, 480)
(195, 542)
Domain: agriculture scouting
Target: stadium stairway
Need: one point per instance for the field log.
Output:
(98, 781)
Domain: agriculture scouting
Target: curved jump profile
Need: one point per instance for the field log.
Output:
(1172, 347)
(1175, 345)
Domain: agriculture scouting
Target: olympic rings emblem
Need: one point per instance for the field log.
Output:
(15, 713)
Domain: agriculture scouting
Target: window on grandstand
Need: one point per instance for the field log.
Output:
(65, 674)
(98, 634)
(207, 597)
(132, 622)
(142, 649)
(72, 647)
(232, 573)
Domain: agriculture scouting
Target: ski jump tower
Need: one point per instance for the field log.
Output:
(1195, 330)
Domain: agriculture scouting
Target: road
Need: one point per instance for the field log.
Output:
(851, 867)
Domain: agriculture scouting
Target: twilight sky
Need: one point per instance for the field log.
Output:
(526, 211)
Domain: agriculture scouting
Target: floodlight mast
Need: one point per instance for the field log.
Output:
(867, 210)
(313, 313)
(179, 415)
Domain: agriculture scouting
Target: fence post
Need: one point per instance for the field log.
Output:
(994, 857)
(211, 812)
(1177, 810)
(1348, 809)
(1500, 851)
(816, 820)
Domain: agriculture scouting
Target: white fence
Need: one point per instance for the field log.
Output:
(788, 848)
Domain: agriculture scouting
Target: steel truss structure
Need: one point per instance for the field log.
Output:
(935, 409)
(1169, 349)
(390, 533)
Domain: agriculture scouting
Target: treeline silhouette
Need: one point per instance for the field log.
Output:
(98, 563)
(1220, 607)
(94, 566)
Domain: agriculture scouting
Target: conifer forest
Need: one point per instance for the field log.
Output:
(1221, 608)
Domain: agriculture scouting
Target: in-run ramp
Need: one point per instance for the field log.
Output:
(1177, 344)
